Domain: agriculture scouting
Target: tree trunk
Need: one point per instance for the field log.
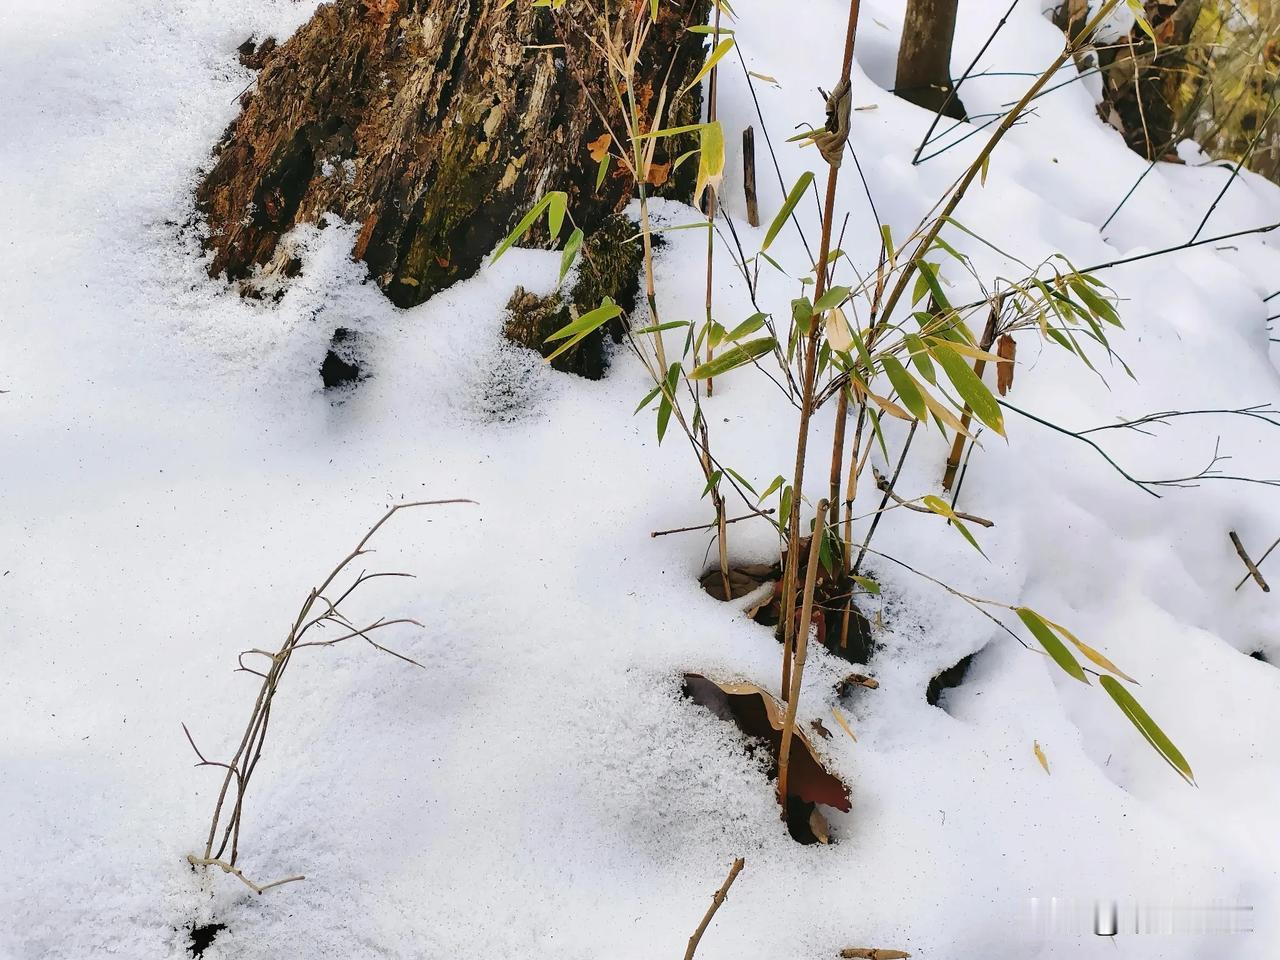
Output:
(924, 57)
(1141, 80)
(434, 124)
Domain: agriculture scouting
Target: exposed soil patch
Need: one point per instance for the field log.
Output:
(202, 935)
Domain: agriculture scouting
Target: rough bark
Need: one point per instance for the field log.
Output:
(434, 124)
(924, 57)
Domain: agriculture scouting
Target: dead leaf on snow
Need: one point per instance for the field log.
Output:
(758, 714)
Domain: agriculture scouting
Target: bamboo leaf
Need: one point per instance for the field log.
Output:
(831, 298)
(970, 387)
(668, 392)
(558, 200)
(522, 227)
(1053, 646)
(943, 509)
(1092, 654)
(788, 205)
(585, 324)
(1148, 728)
(710, 159)
(905, 384)
(747, 326)
(570, 252)
(723, 47)
(735, 356)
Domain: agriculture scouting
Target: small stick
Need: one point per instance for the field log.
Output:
(718, 899)
(708, 526)
(1245, 578)
(882, 483)
(238, 873)
(1253, 568)
(749, 175)
(872, 953)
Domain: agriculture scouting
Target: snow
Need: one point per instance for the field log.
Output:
(175, 481)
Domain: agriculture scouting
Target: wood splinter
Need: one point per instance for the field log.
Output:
(1252, 567)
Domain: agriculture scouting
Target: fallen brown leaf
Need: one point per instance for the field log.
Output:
(1007, 351)
(758, 714)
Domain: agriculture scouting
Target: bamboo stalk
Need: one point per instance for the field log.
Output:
(810, 371)
(802, 647)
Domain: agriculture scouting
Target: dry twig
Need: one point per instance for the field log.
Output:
(718, 899)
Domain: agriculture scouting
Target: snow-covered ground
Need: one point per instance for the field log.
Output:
(173, 481)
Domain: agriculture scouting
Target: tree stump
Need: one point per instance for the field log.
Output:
(435, 124)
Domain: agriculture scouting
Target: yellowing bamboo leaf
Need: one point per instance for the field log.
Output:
(710, 159)
(1097, 658)
(723, 47)
(844, 724)
(837, 331)
(1044, 762)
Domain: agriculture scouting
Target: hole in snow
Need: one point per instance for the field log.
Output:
(202, 935)
(340, 366)
(832, 597)
(948, 679)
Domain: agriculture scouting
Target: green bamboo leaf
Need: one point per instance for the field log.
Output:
(659, 327)
(571, 248)
(747, 326)
(723, 47)
(1052, 645)
(1148, 728)
(866, 583)
(573, 332)
(522, 227)
(648, 398)
(742, 480)
(668, 392)
(831, 298)
(788, 205)
(905, 384)
(558, 201)
(929, 273)
(712, 481)
(778, 481)
(920, 357)
(735, 356)
(970, 387)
